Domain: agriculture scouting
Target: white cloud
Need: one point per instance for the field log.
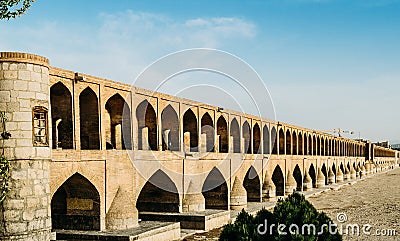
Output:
(119, 46)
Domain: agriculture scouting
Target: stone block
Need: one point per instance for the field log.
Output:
(5, 66)
(12, 107)
(13, 66)
(16, 227)
(37, 68)
(34, 86)
(41, 96)
(22, 116)
(24, 75)
(24, 152)
(5, 96)
(12, 215)
(28, 215)
(25, 126)
(36, 77)
(6, 84)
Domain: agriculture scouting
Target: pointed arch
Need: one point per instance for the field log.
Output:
(76, 205)
(170, 129)
(159, 194)
(61, 116)
(207, 127)
(314, 146)
(256, 139)
(215, 190)
(118, 126)
(281, 142)
(235, 133)
(89, 120)
(246, 134)
(190, 125)
(288, 142)
(298, 177)
(222, 132)
(301, 146)
(294, 143)
(266, 140)
(313, 175)
(252, 185)
(147, 126)
(274, 141)
(279, 181)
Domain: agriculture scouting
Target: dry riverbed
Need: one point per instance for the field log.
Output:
(372, 204)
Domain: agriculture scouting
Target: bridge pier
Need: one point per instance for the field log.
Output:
(331, 177)
(193, 201)
(238, 199)
(307, 183)
(320, 179)
(268, 188)
(291, 184)
(339, 175)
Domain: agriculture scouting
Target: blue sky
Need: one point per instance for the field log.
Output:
(327, 63)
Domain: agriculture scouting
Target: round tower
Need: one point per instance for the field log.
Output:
(24, 97)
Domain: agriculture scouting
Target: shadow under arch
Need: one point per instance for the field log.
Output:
(159, 194)
(312, 173)
(76, 205)
(298, 177)
(279, 181)
(215, 190)
(252, 185)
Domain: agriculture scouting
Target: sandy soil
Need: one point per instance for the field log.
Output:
(374, 201)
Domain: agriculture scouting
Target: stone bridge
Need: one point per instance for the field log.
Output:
(93, 154)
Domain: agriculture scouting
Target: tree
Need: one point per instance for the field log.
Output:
(294, 210)
(14, 8)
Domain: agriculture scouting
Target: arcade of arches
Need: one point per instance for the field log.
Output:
(93, 123)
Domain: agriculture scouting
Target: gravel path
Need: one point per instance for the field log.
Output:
(373, 201)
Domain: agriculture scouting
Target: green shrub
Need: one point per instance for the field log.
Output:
(295, 210)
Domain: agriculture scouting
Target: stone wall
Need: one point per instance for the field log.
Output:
(24, 84)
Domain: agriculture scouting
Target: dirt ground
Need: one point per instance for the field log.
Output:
(372, 205)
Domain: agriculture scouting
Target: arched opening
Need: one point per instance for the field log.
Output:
(294, 143)
(325, 172)
(310, 149)
(207, 127)
(298, 177)
(279, 181)
(288, 143)
(215, 191)
(159, 194)
(312, 173)
(300, 139)
(170, 129)
(314, 146)
(190, 125)
(266, 140)
(118, 126)
(256, 139)
(252, 185)
(235, 133)
(274, 141)
(222, 131)
(89, 120)
(246, 134)
(76, 205)
(61, 114)
(147, 126)
(318, 146)
(281, 142)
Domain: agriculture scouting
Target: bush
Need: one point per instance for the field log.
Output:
(294, 211)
